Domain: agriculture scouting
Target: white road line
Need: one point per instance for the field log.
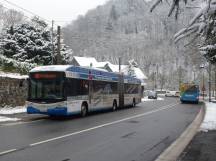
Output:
(103, 125)
(8, 151)
(93, 128)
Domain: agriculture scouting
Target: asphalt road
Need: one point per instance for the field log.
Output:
(131, 134)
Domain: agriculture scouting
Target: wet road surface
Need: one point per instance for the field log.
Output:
(131, 134)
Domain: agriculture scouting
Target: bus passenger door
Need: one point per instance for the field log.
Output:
(90, 94)
(97, 94)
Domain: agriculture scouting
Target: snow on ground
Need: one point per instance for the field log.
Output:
(12, 75)
(209, 122)
(4, 119)
(146, 99)
(12, 110)
(159, 98)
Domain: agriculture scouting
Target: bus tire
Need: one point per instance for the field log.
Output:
(114, 107)
(134, 102)
(84, 110)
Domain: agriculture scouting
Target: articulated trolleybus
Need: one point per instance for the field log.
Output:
(62, 90)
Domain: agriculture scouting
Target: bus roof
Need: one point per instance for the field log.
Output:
(59, 68)
(85, 72)
(54, 68)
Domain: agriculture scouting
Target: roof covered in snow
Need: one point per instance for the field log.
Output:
(51, 68)
(100, 64)
(139, 73)
(124, 68)
(85, 61)
(115, 68)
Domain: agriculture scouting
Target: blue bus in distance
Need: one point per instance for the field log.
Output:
(189, 92)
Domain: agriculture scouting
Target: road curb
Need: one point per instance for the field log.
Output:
(176, 148)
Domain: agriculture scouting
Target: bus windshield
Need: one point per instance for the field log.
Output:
(46, 87)
(192, 89)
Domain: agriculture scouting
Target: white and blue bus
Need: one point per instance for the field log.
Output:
(62, 90)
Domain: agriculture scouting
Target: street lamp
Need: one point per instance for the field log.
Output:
(209, 82)
(203, 83)
(194, 73)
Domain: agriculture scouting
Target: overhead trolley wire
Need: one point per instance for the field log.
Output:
(26, 10)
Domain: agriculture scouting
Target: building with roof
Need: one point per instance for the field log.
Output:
(83, 61)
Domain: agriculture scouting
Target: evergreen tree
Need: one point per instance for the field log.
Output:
(29, 44)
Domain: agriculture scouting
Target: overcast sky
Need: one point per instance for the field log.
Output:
(59, 10)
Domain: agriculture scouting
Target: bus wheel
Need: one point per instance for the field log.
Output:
(134, 103)
(114, 107)
(84, 110)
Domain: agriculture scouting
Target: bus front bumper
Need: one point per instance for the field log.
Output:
(189, 99)
(58, 111)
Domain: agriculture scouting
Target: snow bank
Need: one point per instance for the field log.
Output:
(209, 122)
(12, 110)
(146, 99)
(4, 119)
(13, 75)
(159, 98)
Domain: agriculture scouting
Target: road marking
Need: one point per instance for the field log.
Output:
(103, 125)
(8, 151)
(93, 128)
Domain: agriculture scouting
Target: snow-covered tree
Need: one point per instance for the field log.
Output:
(202, 25)
(29, 44)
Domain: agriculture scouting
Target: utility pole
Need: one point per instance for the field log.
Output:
(121, 86)
(119, 64)
(58, 45)
(53, 46)
(155, 79)
(180, 76)
(156, 76)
